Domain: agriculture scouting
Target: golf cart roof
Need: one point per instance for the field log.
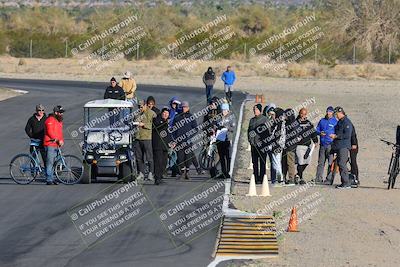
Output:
(109, 103)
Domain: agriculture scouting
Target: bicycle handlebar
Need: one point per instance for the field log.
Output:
(390, 143)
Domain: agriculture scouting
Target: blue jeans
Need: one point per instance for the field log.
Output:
(209, 93)
(51, 154)
(276, 166)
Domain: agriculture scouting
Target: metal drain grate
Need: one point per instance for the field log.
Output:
(247, 236)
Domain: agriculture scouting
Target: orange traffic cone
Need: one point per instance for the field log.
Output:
(293, 221)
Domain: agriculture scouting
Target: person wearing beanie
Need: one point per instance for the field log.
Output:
(307, 139)
(254, 136)
(161, 142)
(325, 127)
(114, 91)
(226, 125)
(209, 81)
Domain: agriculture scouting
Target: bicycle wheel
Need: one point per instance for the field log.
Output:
(23, 169)
(69, 169)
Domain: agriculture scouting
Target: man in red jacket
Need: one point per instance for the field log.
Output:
(53, 138)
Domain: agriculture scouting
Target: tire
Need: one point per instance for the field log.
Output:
(87, 173)
(395, 171)
(206, 162)
(71, 172)
(125, 172)
(23, 169)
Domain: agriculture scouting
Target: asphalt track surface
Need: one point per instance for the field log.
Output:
(35, 224)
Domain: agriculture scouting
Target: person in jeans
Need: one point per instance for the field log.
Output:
(342, 145)
(209, 81)
(229, 78)
(35, 129)
(254, 136)
(226, 126)
(325, 127)
(143, 144)
(53, 138)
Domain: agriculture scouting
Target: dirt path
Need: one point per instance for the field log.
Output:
(355, 227)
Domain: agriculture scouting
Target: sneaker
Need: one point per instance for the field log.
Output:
(200, 171)
(327, 182)
(342, 186)
(296, 179)
(55, 182)
(278, 184)
(302, 182)
(317, 181)
(182, 175)
(150, 177)
(187, 177)
(49, 183)
(140, 177)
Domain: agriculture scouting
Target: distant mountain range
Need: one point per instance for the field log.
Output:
(149, 3)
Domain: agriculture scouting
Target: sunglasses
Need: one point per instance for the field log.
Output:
(40, 110)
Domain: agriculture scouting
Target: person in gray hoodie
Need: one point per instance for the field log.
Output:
(254, 135)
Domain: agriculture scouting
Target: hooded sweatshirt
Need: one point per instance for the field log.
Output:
(209, 77)
(173, 112)
(326, 125)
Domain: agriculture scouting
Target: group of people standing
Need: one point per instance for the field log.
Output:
(289, 141)
(166, 137)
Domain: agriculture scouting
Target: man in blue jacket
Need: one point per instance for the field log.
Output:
(325, 127)
(228, 77)
(342, 145)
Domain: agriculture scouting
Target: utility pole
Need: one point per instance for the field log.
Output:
(137, 52)
(390, 51)
(245, 50)
(66, 47)
(354, 53)
(30, 49)
(316, 53)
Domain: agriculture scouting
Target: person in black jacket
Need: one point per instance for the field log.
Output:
(209, 81)
(289, 151)
(304, 147)
(255, 135)
(183, 130)
(114, 91)
(151, 103)
(161, 142)
(35, 128)
(353, 158)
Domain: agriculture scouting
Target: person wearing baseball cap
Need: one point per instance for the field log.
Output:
(342, 145)
(325, 127)
(53, 138)
(34, 128)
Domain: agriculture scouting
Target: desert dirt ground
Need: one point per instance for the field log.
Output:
(354, 227)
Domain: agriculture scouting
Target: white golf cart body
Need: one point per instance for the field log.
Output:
(109, 129)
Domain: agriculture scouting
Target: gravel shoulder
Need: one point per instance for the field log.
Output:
(6, 93)
(355, 227)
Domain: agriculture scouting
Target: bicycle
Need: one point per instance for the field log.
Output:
(208, 157)
(25, 168)
(394, 168)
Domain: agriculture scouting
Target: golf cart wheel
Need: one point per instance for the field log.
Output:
(125, 172)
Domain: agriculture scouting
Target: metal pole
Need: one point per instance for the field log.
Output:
(244, 50)
(280, 52)
(137, 52)
(66, 48)
(354, 53)
(390, 51)
(102, 49)
(30, 49)
(316, 53)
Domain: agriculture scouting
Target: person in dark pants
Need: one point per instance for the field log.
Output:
(209, 81)
(226, 126)
(254, 136)
(183, 130)
(353, 158)
(151, 103)
(342, 145)
(325, 127)
(161, 141)
(143, 142)
(289, 152)
(114, 91)
(35, 129)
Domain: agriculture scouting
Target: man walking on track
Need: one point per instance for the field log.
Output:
(229, 78)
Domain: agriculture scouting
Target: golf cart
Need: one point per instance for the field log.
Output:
(108, 140)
